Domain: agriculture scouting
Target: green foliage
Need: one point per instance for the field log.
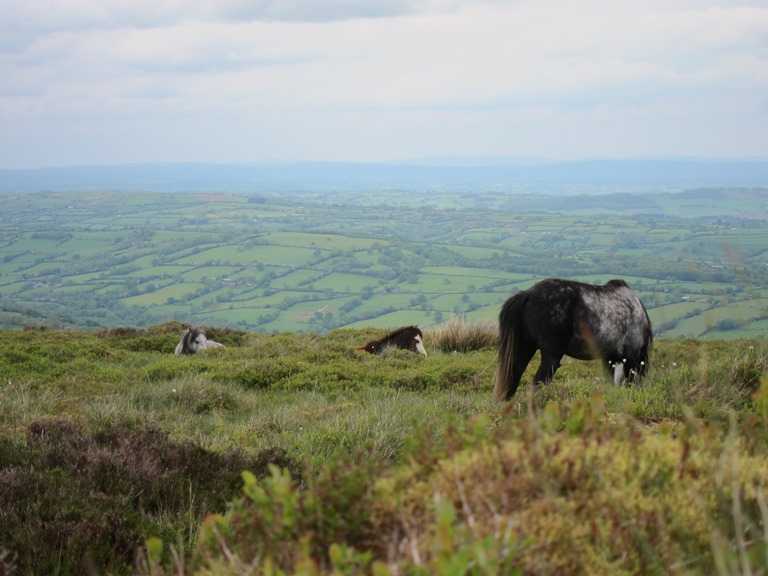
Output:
(564, 491)
(266, 372)
(331, 526)
(585, 495)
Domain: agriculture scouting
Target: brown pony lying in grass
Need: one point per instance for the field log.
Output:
(405, 338)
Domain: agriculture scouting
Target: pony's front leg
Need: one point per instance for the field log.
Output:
(549, 365)
(618, 372)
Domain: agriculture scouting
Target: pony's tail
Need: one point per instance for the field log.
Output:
(509, 330)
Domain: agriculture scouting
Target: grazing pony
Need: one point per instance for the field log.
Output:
(584, 321)
(193, 340)
(406, 338)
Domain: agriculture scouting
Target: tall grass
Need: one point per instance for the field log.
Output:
(459, 335)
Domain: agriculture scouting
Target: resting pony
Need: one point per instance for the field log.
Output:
(406, 338)
(565, 317)
(193, 340)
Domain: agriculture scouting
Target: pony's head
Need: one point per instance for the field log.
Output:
(193, 340)
(417, 344)
(625, 370)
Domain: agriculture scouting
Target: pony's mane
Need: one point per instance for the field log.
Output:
(193, 333)
(399, 331)
(188, 336)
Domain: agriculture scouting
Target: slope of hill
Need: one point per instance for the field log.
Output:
(116, 456)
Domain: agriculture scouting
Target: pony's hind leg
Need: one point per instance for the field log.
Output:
(550, 362)
(519, 364)
(511, 368)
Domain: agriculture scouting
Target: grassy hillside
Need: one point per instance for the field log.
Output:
(318, 262)
(117, 456)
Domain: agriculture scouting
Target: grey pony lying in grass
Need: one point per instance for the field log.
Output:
(193, 340)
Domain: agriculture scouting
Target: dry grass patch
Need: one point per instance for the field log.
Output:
(458, 335)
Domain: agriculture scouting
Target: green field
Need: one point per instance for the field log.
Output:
(301, 263)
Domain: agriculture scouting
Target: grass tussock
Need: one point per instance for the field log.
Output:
(298, 454)
(458, 335)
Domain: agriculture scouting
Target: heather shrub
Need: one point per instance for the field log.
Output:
(592, 494)
(329, 527)
(281, 525)
(263, 373)
(51, 355)
(95, 496)
(564, 490)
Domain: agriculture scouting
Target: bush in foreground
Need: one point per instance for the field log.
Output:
(70, 498)
(564, 491)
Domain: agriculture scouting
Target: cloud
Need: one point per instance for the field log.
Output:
(57, 15)
(373, 71)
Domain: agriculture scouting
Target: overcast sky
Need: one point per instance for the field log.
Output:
(123, 81)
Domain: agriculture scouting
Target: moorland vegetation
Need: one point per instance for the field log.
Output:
(295, 453)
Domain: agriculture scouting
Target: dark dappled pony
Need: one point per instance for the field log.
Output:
(193, 340)
(565, 317)
(407, 338)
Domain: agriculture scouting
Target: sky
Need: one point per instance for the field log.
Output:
(92, 82)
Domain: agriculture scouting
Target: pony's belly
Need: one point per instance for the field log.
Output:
(582, 350)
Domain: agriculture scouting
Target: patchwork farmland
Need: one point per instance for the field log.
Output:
(317, 262)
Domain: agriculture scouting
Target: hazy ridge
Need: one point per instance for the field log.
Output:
(594, 176)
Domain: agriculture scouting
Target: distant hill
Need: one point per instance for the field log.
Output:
(595, 176)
